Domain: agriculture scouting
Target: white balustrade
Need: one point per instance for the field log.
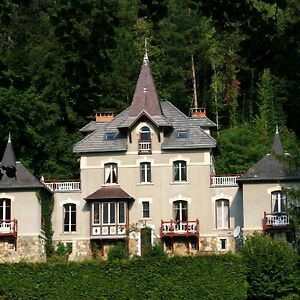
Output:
(224, 180)
(277, 220)
(63, 186)
(144, 146)
(181, 227)
(6, 226)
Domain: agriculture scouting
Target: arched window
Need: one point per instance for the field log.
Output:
(179, 170)
(145, 134)
(5, 209)
(279, 202)
(110, 173)
(180, 210)
(222, 214)
(69, 217)
(145, 140)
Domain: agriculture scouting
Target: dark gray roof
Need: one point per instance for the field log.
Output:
(271, 167)
(196, 138)
(146, 104)
(203, 122)
(14, 174)
(92, 126)
(24, 179)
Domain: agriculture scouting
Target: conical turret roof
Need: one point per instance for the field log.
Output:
(13, 174)
(270, 168)
(145, 97)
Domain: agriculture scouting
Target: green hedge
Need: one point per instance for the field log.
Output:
(198, 277)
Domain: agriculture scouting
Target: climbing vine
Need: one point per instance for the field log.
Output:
(46, 200)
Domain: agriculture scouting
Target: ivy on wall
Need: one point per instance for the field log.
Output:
(46, 201)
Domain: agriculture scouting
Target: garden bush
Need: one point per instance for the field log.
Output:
(273, 268)
(198, 277)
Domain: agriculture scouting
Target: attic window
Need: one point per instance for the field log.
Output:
(182, 134)
(110, 136)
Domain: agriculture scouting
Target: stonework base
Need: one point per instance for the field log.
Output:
(29, 248)
(81, 249)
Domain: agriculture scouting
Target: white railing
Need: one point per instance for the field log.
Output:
(224, 180)
(179, 227)
(63, 186)
(277, 220)
(7, 226)
(144, 146)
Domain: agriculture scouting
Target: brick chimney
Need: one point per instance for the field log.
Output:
(104, 116)
(199, 112)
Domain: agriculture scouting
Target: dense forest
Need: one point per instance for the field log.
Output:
(61, 61)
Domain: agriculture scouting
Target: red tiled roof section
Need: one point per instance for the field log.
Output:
(108, 193)
(145, 96)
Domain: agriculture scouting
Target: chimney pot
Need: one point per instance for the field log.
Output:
(199, 112)
(104, 116)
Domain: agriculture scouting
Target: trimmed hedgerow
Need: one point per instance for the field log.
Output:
(199, 277)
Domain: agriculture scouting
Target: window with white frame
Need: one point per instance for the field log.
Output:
(146, 209)
(145, 172)
(180, 210)
(5, 209)
(222, 214)
(110, 173)
(179, 170)
(279, 202)
(109, 213)
(69, 217)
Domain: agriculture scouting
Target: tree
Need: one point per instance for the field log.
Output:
(272, 268)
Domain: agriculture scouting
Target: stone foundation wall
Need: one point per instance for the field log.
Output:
(81, 249)
(29, 248)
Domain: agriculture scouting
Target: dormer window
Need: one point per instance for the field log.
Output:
(110, 136)
(183, 134)
(145, 141)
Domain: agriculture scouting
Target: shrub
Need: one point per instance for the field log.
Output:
(118, 251)
(155, 250)
(272, 268)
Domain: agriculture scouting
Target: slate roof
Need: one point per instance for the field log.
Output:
(146, 104)
(109, 193)
(92, 126)
(203, 122)
(145, 97)
(270, 168)
(23, 178)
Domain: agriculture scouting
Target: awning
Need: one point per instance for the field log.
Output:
(109, 193)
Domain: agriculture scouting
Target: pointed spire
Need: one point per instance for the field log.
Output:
(9, 158)
(146, 59)
(277, 145)
(145, 97)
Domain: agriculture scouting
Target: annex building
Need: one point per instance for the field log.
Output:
(146, 175)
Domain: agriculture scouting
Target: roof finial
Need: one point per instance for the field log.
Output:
(277, 131)
(146, 59)
(9, 138)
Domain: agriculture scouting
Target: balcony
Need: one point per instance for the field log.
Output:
(179, 228)
(224, 180)
(8, 227)
(62, 185)
(145, 147)
(276, 221)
